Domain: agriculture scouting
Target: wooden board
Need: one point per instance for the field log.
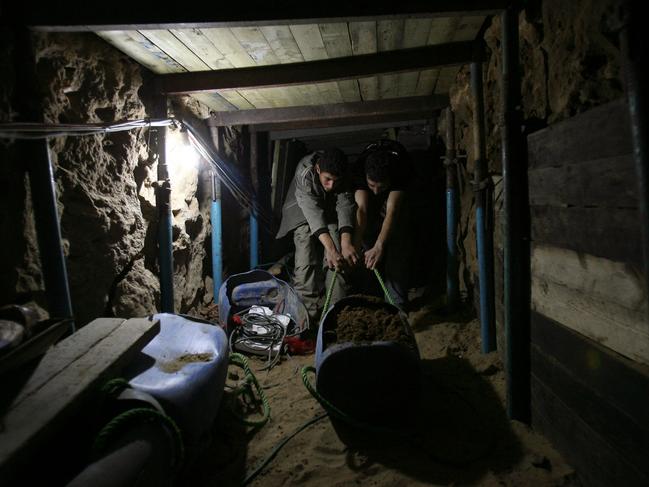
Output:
(591, 403)
(613, 233)
(622, 432)
(599, 133)
(599, 298)
(175, 49)
(620, 382)
(598, 464)
(66, 377)
(609, 182)
(335, 37)
(138, 47)
(363, 40)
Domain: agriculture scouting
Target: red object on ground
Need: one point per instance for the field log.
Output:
(297, 346)
(236, 319)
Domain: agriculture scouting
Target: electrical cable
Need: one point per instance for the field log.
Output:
(31, 131)
(261, 465)
(266, 332)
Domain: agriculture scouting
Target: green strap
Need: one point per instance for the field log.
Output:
(127, 420)
(241, 361)
(388, 296)
(386, 292)
(328, 297)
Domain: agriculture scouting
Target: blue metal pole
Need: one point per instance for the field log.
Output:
(254, 179)
(452, 287)
(217, 243)
(254, 240)
(36, 155)
(165, 247)
(482, 185)
(48, 230)
(163, 204)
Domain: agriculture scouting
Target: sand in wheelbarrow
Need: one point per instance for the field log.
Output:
(361, 324)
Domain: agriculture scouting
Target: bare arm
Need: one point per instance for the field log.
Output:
(332, 256)
(375, 254)
(362, 198)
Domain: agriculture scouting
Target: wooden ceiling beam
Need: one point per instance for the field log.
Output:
(332, 115)
(336, 69)
(81, 15)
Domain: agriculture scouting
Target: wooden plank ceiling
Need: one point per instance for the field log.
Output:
(180, 50)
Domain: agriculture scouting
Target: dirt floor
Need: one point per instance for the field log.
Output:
(461, 435)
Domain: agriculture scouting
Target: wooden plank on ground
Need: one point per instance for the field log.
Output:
(612, 233)
(621, 382)
(609, 182)
(82, 363)
(599, 133)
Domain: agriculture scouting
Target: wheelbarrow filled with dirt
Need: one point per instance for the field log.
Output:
(367, 361)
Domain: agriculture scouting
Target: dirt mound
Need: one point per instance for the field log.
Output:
(371, 323)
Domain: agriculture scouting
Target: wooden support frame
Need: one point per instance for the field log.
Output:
(78, 16)
(337, 114)
(336, 69)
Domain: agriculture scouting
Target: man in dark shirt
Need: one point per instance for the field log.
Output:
(381, 179)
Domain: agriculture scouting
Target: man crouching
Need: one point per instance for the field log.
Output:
(320, 210)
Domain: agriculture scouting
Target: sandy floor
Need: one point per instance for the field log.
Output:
(462, 435)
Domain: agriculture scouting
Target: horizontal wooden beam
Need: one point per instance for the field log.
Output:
(454, 53)
(308, 134)
(375, 111)
(78, 15)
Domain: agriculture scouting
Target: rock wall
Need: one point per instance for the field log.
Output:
(570, 62)
(104, 186)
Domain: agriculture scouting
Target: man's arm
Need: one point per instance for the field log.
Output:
(311, 204)
(345, 210)
(375, 254)
(362, 198)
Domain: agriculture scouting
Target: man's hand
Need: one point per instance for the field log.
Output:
(349, 253)
(374, 256)
(334, 259)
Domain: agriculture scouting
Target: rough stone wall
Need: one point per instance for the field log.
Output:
(570, 62)
(104, 187)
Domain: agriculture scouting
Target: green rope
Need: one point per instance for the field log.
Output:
(126, 420)
(328, 296)
(241, 361)
(388, 296)
(114, 386)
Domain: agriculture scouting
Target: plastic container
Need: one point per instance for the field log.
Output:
(184, 367)
(258, 287)
(375, 382)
